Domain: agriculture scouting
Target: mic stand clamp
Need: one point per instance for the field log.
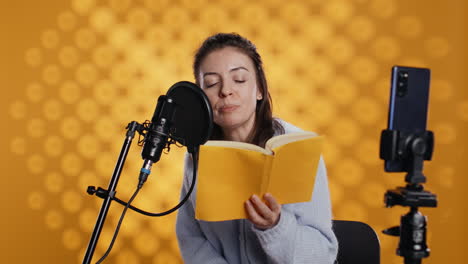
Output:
(411, 149)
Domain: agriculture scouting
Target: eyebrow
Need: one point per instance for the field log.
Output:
(231, 70)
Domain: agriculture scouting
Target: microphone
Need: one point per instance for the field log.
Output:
(183, 115)
(156, 136)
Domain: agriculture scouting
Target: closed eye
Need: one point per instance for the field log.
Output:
(211, 85)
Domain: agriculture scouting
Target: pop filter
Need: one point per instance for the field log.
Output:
(192, 121)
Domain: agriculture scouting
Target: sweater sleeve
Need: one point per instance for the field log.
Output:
(304, 232)
(194, 246)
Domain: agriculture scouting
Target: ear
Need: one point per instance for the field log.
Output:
(259, 95)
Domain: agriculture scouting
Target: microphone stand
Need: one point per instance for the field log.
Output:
(131, 129)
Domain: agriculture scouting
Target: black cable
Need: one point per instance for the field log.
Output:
(118, 226)
(194, 177)
(127, 205)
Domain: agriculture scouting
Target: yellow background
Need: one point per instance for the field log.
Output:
(74, 73)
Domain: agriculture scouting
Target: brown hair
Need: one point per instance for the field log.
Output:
(265, 125)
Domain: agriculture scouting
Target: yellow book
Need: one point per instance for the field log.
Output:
(231, 172)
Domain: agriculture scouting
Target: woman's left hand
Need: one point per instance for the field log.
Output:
(263, 215)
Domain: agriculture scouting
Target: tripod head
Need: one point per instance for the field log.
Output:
(406, 152)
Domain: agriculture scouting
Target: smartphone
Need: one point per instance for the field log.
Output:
(409, 99)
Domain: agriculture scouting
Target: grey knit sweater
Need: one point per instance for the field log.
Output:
(303, 234)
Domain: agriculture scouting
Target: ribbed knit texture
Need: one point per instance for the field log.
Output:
(303, 234)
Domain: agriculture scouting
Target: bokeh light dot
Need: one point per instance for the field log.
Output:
(54, 182)
(437, 47)
(54, 219)
(106, 127)
(36, 200)
(69, 92)
(318, 31)
(446, 133)
(105, 92)
(68, 56)
(88, 146)
(348, 172)
(340, 50)
(336, 190)
(87, 219)
(18, 145)
(342, 90)
(166, 257)
(127, 256)
(50, 39)
(33, 57)
(386, 48)
(462, 110)
(139, 18)
(370, 192)
(441, 90)
(87, 109)
(52, 109)
(70, 127)
(82, 7)
(367, 151)
(18, 110)
(86, 74)
(53, 146)
(123, 5)
(321, 71)
(352, 210)
(51, 74)
(164, 226)
(383, 8)
(36, 127)
(361, 29)
(366, 110)
(66, 21)
(146, 243)
(102, 19)
(409, 26)
(363, 69)
(71, 239)
(104, 56)
(34, 92)
(120, 36)
(71, 201)
(85, 38)
(71, 164)
(445, 176)
(104, 163)
(339, 11)
(331, 152)
(87, 178)
(345, 131)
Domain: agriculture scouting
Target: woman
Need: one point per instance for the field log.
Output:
(229, 70)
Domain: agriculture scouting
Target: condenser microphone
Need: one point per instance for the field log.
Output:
(183, 115)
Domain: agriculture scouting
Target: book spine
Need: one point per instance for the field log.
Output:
(266, 174)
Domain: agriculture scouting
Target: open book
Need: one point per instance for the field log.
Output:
(231, 172)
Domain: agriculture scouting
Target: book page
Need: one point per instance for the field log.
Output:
(238, 145)
(227, 177)
(280, 140)
(294, 169)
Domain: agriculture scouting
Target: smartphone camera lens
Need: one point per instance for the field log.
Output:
(402, 81)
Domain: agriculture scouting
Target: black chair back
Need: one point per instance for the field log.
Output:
(357, 243)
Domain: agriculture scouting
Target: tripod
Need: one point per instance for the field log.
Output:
(405, 151)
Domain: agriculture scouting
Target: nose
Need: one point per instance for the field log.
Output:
(225, 90)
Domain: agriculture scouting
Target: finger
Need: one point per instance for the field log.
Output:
(253, 216)
(272, 203)
(262, 208)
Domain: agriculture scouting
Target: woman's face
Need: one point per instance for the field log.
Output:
(228, 78)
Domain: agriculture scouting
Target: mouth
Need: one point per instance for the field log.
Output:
(228, 108)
